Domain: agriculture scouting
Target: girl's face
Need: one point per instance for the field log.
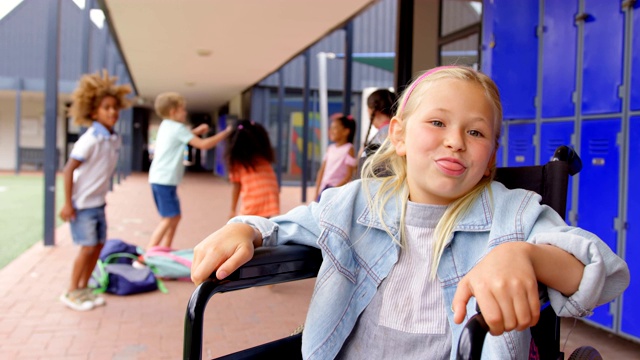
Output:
(449, 141)
(107, 112)
(337, 132)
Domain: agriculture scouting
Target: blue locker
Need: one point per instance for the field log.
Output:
(630, 313)
(635, 59)
(487, 36)
(598, 199)
(521, 149)
(559, 58)
(499, 162)
(603, 57)
(515, 56)
(553, 135)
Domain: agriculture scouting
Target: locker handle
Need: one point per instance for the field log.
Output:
(583, 17)
(627, 4)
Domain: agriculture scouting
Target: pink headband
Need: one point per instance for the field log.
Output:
(418, 80)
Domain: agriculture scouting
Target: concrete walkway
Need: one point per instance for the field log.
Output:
(35, 325)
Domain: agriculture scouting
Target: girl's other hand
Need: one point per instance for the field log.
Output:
(224, 251)
(67, 213)
(506, 289)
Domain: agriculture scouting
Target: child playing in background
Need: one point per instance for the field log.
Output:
(380, 107)
(87, 178)
(405, 252)
(167, 168)
(339, 161)
(249, 156)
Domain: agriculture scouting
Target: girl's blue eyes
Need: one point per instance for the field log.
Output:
(474, 133)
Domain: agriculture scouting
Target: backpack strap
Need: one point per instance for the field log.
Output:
(102, 278)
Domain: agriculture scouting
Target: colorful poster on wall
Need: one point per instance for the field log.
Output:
(295, 145)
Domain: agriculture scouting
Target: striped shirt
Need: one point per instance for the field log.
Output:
(259, 193)
(406, 319)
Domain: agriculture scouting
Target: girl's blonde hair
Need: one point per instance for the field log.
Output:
(390, 169)
(91, 89)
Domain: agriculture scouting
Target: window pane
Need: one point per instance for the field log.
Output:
(458, 14)
(461, 52)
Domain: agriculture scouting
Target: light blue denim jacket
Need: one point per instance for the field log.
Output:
(358, 255)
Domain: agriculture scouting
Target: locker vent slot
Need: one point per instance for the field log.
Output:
(599, 146)
(520, 145)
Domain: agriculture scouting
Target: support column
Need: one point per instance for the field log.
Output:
(348, 69)
(18, 122)
(417, 39)
(279, 116)
(305, 122)
(51, 120)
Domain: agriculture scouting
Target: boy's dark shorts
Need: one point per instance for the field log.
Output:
(166, 198)
(89, 228)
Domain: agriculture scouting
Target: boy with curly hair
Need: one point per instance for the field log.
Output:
(87, 175)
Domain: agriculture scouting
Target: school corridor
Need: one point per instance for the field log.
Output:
(35, 325)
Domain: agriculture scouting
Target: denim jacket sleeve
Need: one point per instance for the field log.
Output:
(605, 275)
(298, 226)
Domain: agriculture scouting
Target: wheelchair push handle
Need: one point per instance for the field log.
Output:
(472, 338)
(567, 154)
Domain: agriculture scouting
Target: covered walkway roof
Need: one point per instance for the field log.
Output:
(212, 50)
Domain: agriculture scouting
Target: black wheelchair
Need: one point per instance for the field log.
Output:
(296, 262)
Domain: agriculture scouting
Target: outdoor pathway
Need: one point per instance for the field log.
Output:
(35, 325)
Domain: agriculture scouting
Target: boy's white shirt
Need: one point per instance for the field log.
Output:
(167, 167)
(98, 150)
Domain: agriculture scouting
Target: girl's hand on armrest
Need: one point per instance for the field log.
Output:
(505, 286)
(224, 251)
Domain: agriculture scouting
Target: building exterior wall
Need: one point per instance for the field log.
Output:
(32, 127)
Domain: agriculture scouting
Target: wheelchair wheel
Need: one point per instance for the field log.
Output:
(585, 353)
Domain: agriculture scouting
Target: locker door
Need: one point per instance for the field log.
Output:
(635, 59)
(630, 310)
(515, 56)
(553, 135)
(521, 146)
(559, 58)
(598, 201)
(603, 57)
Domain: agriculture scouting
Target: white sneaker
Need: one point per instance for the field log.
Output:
(96, 299)
(76, 300)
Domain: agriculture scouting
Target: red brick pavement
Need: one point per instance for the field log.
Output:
(35, 325)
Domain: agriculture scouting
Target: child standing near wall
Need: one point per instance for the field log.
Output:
(249, 156)
(87, 178)
(167, 167)
(339, 161)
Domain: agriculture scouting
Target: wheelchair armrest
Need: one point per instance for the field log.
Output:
(475, 331)
(269, 265)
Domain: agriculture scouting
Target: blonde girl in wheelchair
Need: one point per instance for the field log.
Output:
(426, 235)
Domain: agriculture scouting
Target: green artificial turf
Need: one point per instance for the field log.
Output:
(22, 213)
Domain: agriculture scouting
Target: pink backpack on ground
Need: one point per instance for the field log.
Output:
(168, 263)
